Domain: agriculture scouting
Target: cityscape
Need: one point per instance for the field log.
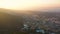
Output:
(34, 23)
(29, 16)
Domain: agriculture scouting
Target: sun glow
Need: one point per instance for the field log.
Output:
(27, 4)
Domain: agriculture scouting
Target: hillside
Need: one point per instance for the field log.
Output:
(8, 21)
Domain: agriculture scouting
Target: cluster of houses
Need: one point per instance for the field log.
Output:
(36, 25)
(37, 30)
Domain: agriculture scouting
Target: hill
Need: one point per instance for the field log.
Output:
(9, 21)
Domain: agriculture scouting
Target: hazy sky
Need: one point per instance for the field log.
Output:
(29, 4)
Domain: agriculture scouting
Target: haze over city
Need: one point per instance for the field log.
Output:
(29, 4)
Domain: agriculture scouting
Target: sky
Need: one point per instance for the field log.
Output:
(29, 4)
